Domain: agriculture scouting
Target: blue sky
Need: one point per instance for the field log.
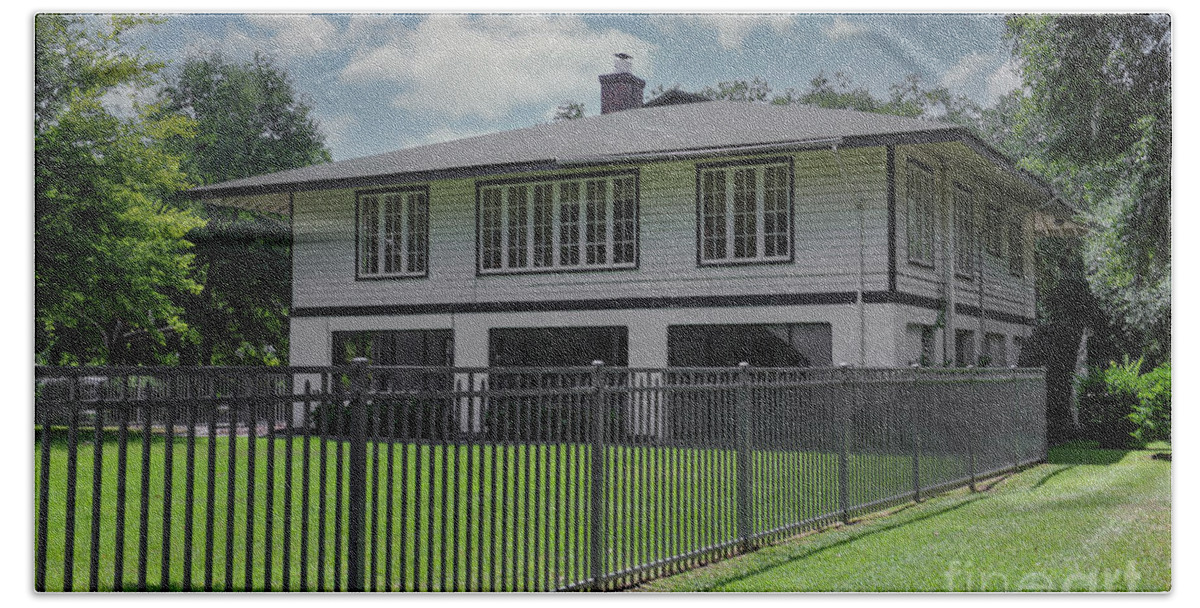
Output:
(382, 82)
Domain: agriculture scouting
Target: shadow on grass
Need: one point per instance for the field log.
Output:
(851, 537)
(1074, 453)
(1063, 469)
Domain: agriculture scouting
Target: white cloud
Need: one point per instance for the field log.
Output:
(296, 36)
(732, 29)
(960, 75)
(287, 38)
(841, 28)
(486, 66)
(1004, 80)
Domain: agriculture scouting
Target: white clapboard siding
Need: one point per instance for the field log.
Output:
(826, 241)
(1003, 291)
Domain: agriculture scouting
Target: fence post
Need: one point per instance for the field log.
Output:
(915, 430)
(745, 456)
(358, 476)
(599, 536)
(969, 429)
(848, 396)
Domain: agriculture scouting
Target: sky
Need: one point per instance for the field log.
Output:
(380, 82)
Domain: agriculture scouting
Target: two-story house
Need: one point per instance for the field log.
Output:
(671, 233)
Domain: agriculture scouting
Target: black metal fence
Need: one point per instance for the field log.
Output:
(458, 479)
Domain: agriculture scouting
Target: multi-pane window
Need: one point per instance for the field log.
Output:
(745, 212)
(393, 233)
(922, 213)
(993, 230)
(1016, 246)
(589, 222)
(964, 232)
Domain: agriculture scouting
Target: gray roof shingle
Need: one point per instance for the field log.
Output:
(708, 125)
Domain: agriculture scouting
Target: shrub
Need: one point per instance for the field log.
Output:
(1120, 405)
(1152, 414)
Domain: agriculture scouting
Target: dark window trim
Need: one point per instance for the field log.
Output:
(891, 210)
(932, 263)
(358, 194)
(969, 277)
(635, 172)
(790, 161)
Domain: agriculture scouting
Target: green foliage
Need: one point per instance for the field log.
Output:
(1152, 414)
(910, 97)
(249, 121)
(1119, 403)
(570, 110)
(1097, 121)
(110, 253)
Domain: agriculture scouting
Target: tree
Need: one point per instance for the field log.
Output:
(1099, 108)
(249, 121)
(570, 110)
(110, 254)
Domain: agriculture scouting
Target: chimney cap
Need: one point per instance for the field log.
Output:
(622, 63)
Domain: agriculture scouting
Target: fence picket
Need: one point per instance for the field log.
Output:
(525, 479)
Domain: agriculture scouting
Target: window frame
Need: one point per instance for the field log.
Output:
(729, 168)
(971, 256)
(995, 235)
(405, 227)
(1015, 229)
(580, 246)
(930, 231)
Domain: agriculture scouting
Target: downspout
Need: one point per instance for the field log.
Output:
(862, 260)
(949, 346)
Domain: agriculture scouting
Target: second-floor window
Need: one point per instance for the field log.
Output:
(993, 230)
(922, 213)
(1016, 246)
(393, 233)
(558, 224)
(964, 232)
(745, 212)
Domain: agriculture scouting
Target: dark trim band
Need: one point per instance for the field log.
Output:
(794, 299)
(891, 210)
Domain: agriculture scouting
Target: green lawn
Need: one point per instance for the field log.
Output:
(517, 521)
(1088, 520)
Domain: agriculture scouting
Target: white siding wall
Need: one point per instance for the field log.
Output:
(1002, 291)
(826, 244)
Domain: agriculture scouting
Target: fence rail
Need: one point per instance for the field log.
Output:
(467, 479)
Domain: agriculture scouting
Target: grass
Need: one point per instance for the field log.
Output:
(519, 521)
(1087, 520)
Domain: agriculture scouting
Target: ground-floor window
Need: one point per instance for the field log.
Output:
(964, 348)
(395, 347)
(766, 345)
(994, 351)
(558, 346)
(921, 344)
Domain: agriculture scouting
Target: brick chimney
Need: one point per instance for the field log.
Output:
(620, 90)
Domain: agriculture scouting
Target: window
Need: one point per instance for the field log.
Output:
(922, 213)
(546, 225)
(557, 346)
(995, 352)
(964, 232)
(964, 348)
(393, 233)
(397, 347)
(1018, 350)
(993, 236)
(1016, 246)
(922, 344)
(778, 345)
(745, 212)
